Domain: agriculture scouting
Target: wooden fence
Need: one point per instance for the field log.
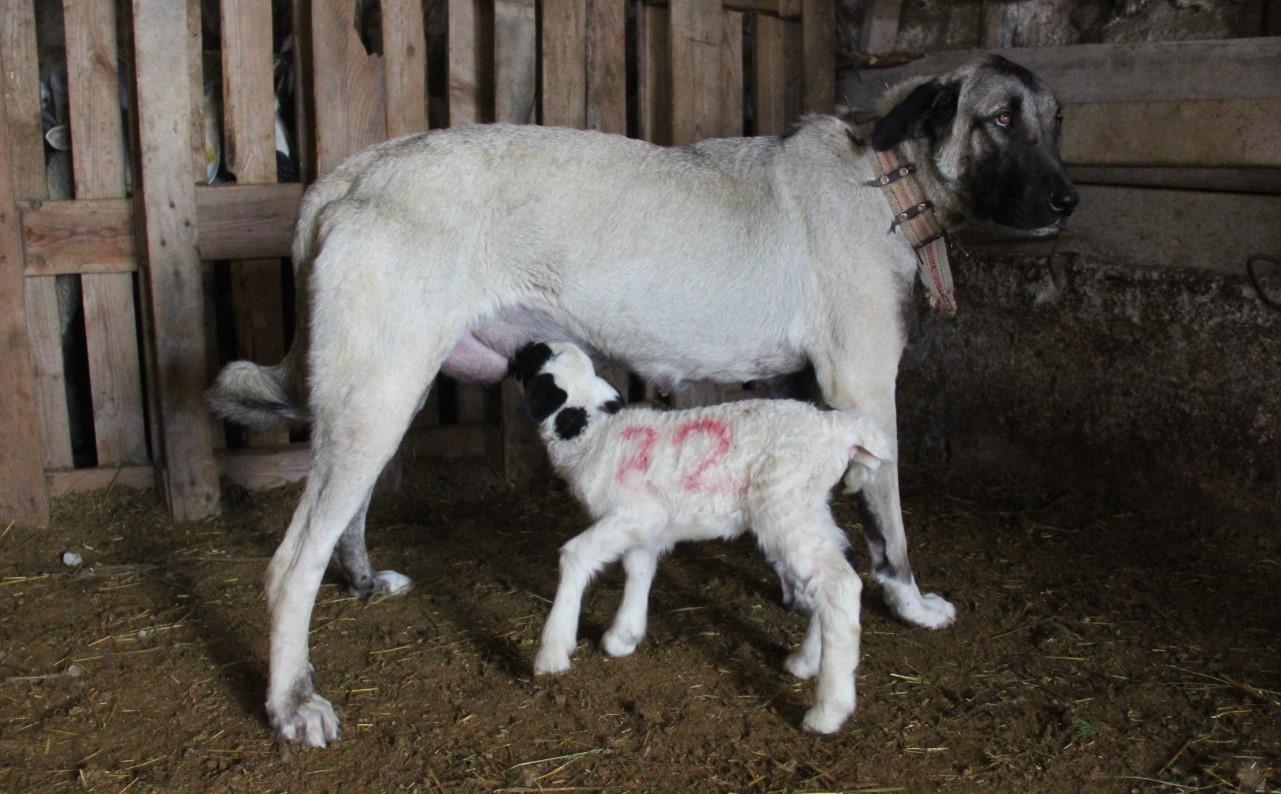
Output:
(145, 255)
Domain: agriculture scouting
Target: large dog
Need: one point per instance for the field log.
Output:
(728, 260)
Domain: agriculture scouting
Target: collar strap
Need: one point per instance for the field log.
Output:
(914, 215)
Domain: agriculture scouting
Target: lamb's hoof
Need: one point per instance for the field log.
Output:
(550, 661)
(824, 720)
(619, 643)
(801, 665)
(311, 722)
(929, 610)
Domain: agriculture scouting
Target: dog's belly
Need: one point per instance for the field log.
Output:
(667, 360)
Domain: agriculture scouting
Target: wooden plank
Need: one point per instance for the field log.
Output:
(1078, 73)
(23, 496)
(471, 61)
(1227, 180)
(778, 8)
(347, 78)
(21, 87)
(196, 75)
(1172, 228)
(879, 28)
(515, 61)
(98, 163)
(607, 66)
(565, 63)
(171, 273)
(405, 67)
(66, 481)
(249, 153)
(695, 50)
(818, 54)
(770, 79)
(96, 235)
(1229, 132)
(655, 73)
(732, 74)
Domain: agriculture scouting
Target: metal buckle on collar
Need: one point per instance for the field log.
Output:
(908, 214)
(891, 177)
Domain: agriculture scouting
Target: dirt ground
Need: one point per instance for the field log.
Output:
(1095, 651)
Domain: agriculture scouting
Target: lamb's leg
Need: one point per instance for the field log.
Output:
(803, 662)
(353, 559)
(837, 611)
(640, 563)
(581, 559)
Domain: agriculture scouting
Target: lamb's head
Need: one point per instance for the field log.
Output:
(563, 393)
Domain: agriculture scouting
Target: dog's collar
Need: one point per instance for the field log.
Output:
(914, 215)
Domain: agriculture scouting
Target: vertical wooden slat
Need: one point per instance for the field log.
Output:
(732, 74)
(249, 152)
(347, 79)
(470, 61)
(405, 67)
(170, 262)
(771, 75)
(565, 63)
(607, 66)
(304, 93)
(818, 33)
(655, 72)
(21, 78)
(515, 61)
(196, 75)
(696, 67)
(23, 494)
(98, 163)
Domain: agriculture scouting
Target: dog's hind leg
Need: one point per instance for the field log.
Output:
(353, 559)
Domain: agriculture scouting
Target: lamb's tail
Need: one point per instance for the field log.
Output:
(256, 396)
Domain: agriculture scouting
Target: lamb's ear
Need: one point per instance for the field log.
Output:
(543, 397)
(926, 112)
(570, 422)
(529, 360)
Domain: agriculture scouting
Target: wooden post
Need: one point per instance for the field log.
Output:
(818, 54)
(249, 152)
(98, 160)
(23, 495)
(565, 63)
(696, 67)
(170, 262)
(771, 75)
(348, 79)
(404, 67)
(606, 67)
(21, 78)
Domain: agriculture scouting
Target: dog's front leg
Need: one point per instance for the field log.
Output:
(866, 384)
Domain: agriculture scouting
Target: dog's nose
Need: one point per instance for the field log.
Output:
(1064, 201)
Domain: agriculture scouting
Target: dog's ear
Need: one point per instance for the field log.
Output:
(927, 112)
(528, 361)
(543, 397)
(570, 422)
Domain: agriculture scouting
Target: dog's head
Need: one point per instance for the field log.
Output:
(993, 132)
(563, 393)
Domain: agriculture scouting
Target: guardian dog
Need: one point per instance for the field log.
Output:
(728, 260)
(651, 479)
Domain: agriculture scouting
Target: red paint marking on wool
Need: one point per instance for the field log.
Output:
(643, 456)
(722, 437)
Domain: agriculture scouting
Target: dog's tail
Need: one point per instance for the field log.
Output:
(257, 396)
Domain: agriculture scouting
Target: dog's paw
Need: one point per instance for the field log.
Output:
(312, 722)
(821, 719)
(550, 661)
(801, 664)
(930, 611)
(620, 642)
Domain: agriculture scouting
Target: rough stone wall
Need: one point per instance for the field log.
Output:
(1158, 386)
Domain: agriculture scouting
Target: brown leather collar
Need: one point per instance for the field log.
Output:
(914, 215)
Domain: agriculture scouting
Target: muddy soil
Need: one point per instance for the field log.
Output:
(1095, 651)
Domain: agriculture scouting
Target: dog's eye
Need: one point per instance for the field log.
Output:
(1001, 119)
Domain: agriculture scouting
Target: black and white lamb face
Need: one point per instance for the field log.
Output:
(563, 393)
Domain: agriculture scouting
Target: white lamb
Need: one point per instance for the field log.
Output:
(653, 478)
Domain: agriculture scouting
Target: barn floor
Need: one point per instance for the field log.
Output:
(1094, 651)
